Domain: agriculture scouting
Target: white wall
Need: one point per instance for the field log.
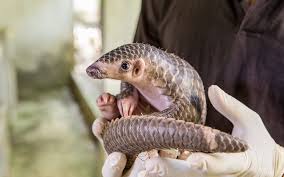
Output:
(7, 102)
(119, 22)
(4, 144)
(41, 40)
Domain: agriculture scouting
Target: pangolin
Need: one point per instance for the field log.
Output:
(173, 88)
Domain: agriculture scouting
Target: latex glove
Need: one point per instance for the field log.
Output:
(263, 158)
(143, 167)
(115, 164)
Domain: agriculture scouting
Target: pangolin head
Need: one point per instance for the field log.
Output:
(124, 63)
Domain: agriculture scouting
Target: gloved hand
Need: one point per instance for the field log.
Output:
(263, 158)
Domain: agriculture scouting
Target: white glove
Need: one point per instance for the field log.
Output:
(115, 164)
(263, 158)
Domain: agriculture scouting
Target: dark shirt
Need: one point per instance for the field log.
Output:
(240, 51)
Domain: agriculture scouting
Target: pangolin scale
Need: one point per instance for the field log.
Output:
(176, 95)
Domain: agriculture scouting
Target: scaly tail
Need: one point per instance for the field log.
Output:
(143, 133)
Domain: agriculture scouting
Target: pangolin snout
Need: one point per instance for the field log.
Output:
(94, 72)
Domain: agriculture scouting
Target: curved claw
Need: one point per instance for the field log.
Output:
(127, 105)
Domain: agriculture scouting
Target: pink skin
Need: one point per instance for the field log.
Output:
(112, 108)
(128, 104)
(108, 106)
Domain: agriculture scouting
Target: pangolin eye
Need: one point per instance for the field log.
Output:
(124, 66)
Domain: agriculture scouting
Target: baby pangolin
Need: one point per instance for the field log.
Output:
(176, 103)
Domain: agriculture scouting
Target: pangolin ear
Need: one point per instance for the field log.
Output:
(138, 68)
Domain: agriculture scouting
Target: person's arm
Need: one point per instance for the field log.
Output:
(263, 158)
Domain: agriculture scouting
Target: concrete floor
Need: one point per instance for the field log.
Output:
(50, 139)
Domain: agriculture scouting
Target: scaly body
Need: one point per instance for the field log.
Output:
(174, 89)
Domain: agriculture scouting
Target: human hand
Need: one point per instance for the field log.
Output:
(263, 158)
(116, 161)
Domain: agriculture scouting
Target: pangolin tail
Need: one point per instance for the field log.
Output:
(143, 133)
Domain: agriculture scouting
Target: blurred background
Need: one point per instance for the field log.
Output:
(47, 102)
